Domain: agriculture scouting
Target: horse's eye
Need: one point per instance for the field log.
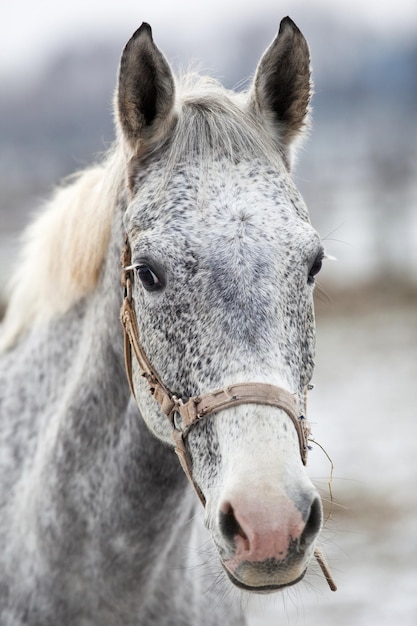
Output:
(315, 268)
(148, 278)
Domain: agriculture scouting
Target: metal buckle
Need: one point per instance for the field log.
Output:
(128, 289)
(176, 419)
(128, 281)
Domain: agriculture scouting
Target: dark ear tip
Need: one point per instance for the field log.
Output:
(287, 23)
(144, 29)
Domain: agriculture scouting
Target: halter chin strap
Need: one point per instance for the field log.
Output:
(197, 408)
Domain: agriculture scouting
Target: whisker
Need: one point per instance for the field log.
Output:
(321, 294)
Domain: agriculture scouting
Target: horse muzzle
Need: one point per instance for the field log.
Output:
(266, 544)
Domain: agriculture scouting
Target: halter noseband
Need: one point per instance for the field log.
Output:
(197, 408)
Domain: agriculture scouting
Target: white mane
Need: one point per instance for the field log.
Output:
(63, 250)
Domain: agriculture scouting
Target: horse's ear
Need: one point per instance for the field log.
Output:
(282, 87)
(146, 92)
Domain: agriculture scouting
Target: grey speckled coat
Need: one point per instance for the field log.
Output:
(98, 525)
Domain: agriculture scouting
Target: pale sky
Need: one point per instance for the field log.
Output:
(33, 30)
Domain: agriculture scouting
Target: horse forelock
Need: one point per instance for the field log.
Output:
(213, 120)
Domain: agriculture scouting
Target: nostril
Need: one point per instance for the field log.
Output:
(229, 526)
(314, 521)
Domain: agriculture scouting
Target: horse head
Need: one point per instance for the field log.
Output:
(223, 260)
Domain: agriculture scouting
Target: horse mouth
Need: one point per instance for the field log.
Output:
(261, 589)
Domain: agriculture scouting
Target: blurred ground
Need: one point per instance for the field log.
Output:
(363, 413)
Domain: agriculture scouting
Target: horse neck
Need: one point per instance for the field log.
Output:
(110, 443)
(99, 489)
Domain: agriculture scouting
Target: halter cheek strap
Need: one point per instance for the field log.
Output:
(197, 408)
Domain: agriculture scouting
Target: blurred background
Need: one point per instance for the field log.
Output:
(358, 174)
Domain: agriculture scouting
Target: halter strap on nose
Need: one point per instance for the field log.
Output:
(199, 407)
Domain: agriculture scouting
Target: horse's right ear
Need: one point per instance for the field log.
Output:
(146, 92)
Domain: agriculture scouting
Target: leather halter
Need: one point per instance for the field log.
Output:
(197, 408)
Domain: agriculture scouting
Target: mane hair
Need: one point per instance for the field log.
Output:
(62, 249)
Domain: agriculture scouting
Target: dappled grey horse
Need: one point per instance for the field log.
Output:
(98, 524)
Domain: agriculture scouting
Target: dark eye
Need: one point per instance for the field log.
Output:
(148, 278)
(315, 268)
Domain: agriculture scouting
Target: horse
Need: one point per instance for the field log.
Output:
(99, 524)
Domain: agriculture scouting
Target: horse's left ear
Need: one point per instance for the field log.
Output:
(282, 87)
(146, 92)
